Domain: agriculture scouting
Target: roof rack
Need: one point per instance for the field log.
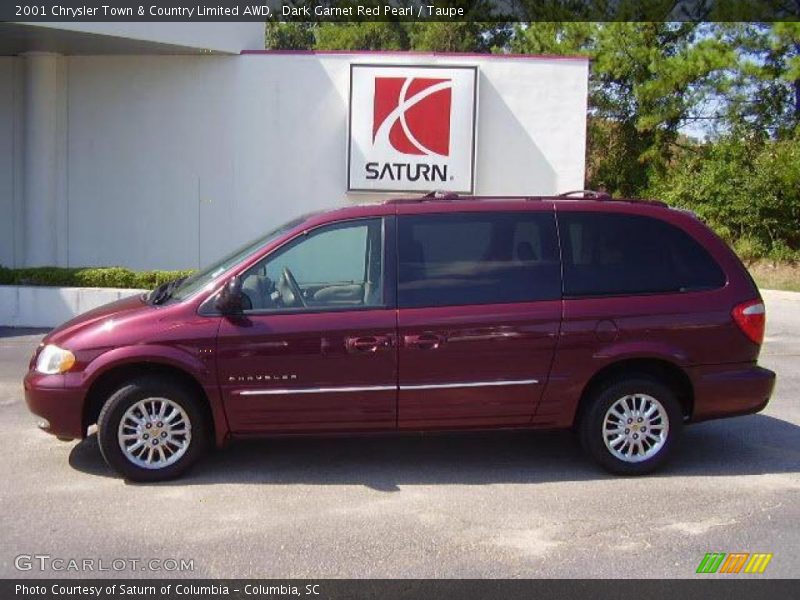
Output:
(439, 194)
(605, 196)
(594, 194)
(432, 195)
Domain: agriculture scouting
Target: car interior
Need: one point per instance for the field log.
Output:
(335, 267)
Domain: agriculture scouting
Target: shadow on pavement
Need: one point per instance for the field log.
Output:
(751, 445)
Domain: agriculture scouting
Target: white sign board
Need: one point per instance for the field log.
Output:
(412, 128)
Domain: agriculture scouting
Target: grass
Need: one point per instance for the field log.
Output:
(771, 275)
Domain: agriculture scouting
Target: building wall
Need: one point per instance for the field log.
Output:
(10, 168)
(172, 161)
(232, 37)
(151, 145)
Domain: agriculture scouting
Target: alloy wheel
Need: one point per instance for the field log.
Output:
(635, 428)
(154, 433)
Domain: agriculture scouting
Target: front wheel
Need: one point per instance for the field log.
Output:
(632, 425)
(151, 429)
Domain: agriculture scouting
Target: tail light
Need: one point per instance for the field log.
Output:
(750, 316)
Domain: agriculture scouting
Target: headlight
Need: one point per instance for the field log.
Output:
(53, 359)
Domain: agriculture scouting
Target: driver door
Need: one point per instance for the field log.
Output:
(316, 346)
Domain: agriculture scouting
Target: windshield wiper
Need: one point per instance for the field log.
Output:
(164, 292)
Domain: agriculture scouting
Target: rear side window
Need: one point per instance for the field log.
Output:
(607, 255)
(477, 258)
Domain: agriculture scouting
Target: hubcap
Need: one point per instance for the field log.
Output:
(635, 428)
(154, 433)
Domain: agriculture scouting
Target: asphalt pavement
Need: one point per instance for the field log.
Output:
(516, 504)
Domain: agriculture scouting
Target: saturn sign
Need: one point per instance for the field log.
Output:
(412, 128)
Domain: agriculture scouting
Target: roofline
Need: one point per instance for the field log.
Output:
(419, 53)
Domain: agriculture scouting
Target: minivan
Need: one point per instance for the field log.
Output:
(621, 320)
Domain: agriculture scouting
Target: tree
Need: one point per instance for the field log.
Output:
(458, 36)
(369, 35)
(647, 82)
(746, 188)
(764, 90)
(289, 36)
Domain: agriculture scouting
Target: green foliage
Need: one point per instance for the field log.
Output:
(387, 35)
(611, 161)
(747, 189)
(646, 82)
(763, 93)
(104, 277)
(290, 36)
(457, 36)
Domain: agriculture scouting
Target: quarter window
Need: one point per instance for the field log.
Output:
(477, 258)
(606, 255)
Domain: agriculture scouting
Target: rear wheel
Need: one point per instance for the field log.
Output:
(151, 429)
(631, 425)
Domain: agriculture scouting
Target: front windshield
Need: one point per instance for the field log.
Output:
(201, 279)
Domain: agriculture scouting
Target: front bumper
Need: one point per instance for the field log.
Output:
(60, 407)
(730, 390)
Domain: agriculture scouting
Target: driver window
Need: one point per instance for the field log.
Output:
(337, 266)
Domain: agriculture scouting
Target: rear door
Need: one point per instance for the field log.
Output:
(479, 313)
(635, 286)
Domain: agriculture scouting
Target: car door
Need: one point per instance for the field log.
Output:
(479, 313)
(316, 346)
(635, 287)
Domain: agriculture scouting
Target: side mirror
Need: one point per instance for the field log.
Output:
(229, 300)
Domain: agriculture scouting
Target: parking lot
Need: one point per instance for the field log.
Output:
(516, 504)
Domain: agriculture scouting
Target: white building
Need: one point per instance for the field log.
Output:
(163, 145)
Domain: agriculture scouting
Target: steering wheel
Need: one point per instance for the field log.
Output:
(293, 286)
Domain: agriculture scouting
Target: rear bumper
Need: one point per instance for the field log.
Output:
(730, 390)
(60, 407)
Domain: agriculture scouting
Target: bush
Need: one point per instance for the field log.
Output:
(749, 249)
(105, 277)
(748, 190)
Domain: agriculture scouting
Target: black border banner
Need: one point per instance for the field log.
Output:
(733, 588)
(398, 10)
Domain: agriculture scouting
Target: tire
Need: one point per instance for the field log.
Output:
(178, 438)
(632, 398)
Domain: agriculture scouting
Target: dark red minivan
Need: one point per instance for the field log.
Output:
(621, 319)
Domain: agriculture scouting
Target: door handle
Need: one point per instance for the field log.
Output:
(368, 343)
(424, 341)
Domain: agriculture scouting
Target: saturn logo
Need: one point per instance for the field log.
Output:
(412, 114)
